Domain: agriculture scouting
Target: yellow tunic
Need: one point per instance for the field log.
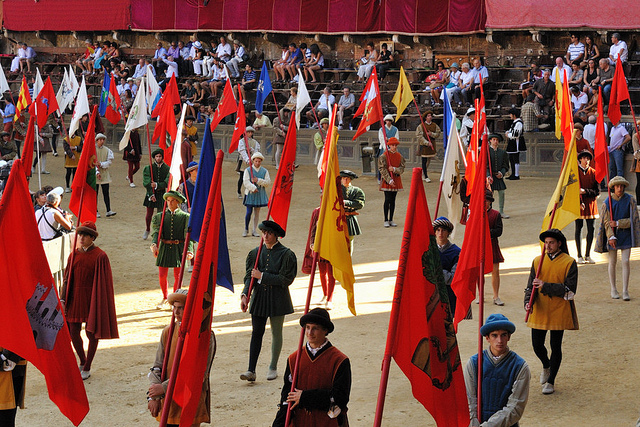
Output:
(553, 313)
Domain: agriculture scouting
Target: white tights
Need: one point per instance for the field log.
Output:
(613, 258)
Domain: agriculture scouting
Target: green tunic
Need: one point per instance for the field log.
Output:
(271, 296)
(173, 228)
(161, 177)
(353, 201)
(499, 163)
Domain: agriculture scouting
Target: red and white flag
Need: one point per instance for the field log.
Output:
(371, 107)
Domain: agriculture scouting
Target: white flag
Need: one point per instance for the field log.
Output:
(75, 87)
(65, 93)
(176, 157)
(81, 108)
(4, 85)
(137, 116)
(303, 97)
(452, 164)
(153, 90)
(38, 84)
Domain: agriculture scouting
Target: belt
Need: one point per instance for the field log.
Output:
(351, 213)
(171, 242)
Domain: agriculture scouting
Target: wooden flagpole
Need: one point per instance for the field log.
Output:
(395, 305)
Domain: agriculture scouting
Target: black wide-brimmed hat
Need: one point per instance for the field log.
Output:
(553, 232)
(496, 135)
(319, 316)
(273, 227)
(157, 151)
(348, 174)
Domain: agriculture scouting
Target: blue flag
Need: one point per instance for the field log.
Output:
(104, 95)
(264, 87)
(200, 197)
(448, 117)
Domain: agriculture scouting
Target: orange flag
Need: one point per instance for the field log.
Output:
(24, 99)
(425, 345)
(566, 116)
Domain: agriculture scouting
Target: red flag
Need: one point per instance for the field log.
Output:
(226, 105)
(171, 95)
(478, 132)
(114, 106)
(372, 110)
(425, 346)
(84, 196)
(27, 151)
(601, 151)
(566, 120)
(24, 99)
(240, 126)
(45, 102)
(619, 92)
(283, 184)
(196, 322)
(166, 123)
(476, 246)
(35, 327)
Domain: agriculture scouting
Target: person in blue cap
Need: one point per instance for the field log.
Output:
(449, 255)
(505, 377)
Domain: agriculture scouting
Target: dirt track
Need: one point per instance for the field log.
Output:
(598, 380)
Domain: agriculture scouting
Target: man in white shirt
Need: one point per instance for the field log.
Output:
(26, 55)
(561, 67)
(140, 70)
(618, 48)
(575, 51)
(223, 51)
(578, 98)
(464, 84)
(480, 74)
(159, 55)
(618, 138)
(323, 107)
(589, 132)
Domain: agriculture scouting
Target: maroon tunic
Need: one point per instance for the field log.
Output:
(589, 205)
(495, 229)
(89, 293)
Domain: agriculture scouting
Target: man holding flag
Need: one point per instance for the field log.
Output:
(160, 382)
(274, 273)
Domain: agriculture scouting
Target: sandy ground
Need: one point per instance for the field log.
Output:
(595, 386)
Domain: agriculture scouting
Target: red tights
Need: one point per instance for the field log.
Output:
(76, 340)
(326, 279)
(163, 272)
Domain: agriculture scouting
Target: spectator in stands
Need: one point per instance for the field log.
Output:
(127, 101)
(480, 75)
(197, 57)
(531, 114)
(208, 67)
(591, 51)
(173, 50)
(295, 58)
(218, 80)
(383, 63)
(618, 138)
(293, 98)
(589, 132)
(606, 78)
(114, 52)
(148, 66)
(279, 66)
(261, 121)
(575, 51)
(140, 70)
(133, 84)
(545, 91)
(171, 70)
(122, 86)
(99, 56)
(534, 74)
(183, 59)
(238, 58)
(561, 68)
(223, 50)
(437, 81)
(591, 77)
(454, 79)
(202, 114)
(201, 94)
(367, 62)
(345, 106)
(306, 55)
(158, 56)
(323, 106)
(189, 97)
(26, 55)
(82, 62)
(315, 63)
(577, 76)
(618, 48)
(579, 100)
(8, 113)
(122, 70)
(464, 84)
(248, 81)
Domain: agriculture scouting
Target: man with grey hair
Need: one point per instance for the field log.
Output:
(561, 68)
(618, 48)
(589, 132)
(51, 219)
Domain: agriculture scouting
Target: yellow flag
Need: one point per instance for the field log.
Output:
(567, 193)
(332, 234)
(403, 96)
(559, 95)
